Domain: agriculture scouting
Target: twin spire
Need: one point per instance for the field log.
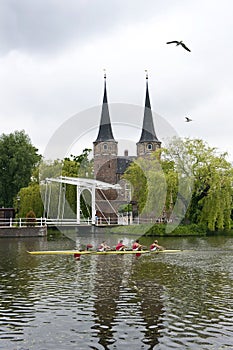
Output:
(148, 130)
(105, 130)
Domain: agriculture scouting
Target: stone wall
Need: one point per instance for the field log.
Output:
(23, 231)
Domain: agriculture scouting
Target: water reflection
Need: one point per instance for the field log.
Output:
(127, 308)
(16, 308)
(108, 278)
(150, 293)
(180, 301)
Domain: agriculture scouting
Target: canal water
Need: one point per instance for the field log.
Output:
(162, 301)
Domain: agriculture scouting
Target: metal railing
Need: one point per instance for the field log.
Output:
(22, 222)
(40, 222)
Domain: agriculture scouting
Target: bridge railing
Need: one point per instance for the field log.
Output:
(22, 222)
(39, 222)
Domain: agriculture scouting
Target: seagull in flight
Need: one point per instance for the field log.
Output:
(188, 119)
(179, 43)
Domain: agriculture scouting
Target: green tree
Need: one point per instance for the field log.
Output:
(171, 177)
(18, 157)
(149, 187)
(212, 174)
(137, 179)
(30, 199)
(48, 169)
(36, 194)
(196, 179)
(78, 166)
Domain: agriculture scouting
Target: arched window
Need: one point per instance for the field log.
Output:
(105, 146)
(149, 147)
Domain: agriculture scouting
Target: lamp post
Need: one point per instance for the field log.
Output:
(128, 213)
(128, 197)
(18, 205)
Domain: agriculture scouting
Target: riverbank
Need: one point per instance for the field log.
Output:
(161, 230)
(30, 231)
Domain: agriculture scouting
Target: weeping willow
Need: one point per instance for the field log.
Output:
(136, 176)
(211, 201)
(154, 186)
(157, 184)
(217, 204)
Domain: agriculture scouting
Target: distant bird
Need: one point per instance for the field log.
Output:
(188, 119)
(179, 43)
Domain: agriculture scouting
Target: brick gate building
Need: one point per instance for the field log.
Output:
(109, 166)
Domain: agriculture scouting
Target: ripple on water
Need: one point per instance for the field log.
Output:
(180, 301)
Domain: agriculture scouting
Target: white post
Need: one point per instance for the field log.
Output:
(20, 222)
(59, 202)
(93, 205)
(78, 205)
(10, 222)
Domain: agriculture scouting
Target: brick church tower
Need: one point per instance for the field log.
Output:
(148, 142)
(105, 147)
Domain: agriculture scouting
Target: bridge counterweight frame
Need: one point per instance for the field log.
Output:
(84, 184)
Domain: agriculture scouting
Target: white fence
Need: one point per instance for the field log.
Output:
(22, 222)
(40, 222)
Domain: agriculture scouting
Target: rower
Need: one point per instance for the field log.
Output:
(120, 246)
(137, 246)
(155, 246)
(103, 247)
(78, 255)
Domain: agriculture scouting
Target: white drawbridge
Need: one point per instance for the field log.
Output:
(82, 184)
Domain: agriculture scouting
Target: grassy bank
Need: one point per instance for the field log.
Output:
(160, 230)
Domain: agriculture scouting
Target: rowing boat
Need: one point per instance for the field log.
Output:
(108, 252)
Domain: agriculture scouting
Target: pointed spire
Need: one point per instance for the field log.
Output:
(105, 128)
(148, 131)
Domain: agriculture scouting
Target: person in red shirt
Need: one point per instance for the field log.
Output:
(120, 245)
(155, 246)
(136, 245)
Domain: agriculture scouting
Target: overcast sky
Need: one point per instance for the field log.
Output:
(53, 52)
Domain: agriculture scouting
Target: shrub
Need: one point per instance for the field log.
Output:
(30, 218)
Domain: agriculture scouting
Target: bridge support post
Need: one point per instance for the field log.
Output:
(78, 205)
(93, 205)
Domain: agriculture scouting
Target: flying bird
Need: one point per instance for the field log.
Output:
(179, 43)
(188, 119)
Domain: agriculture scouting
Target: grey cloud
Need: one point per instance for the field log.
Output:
(48, 25)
